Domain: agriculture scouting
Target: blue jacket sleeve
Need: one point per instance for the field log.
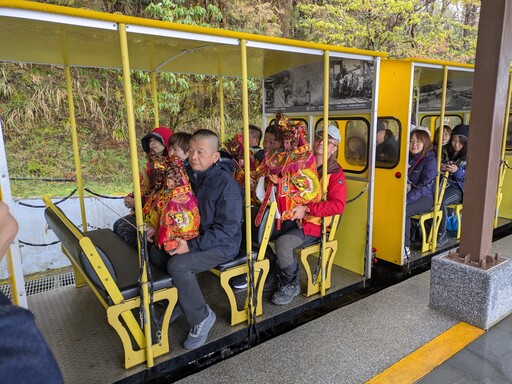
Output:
(424, 185)
(226, 226)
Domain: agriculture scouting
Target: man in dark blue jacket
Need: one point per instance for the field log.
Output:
(24, 354)
(220, 232)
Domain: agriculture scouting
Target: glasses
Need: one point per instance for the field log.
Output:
(320, 138)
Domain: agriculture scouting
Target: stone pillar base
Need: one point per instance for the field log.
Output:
(478, 297)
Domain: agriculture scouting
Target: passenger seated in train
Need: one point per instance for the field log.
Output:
(456, 166)
(220, 233)
(179, 145)
(355, 150)
(272, 142)
(387, 146)
(447, 131)
(26, 357)
(235, 147)
(154, 145)
(254, 138)
(305, 228)
(421, 176)
(174, 208)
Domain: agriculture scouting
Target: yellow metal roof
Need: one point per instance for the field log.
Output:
(47, 34)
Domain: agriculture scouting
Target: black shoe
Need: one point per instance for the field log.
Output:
(239, 282)
(272, 282)
(442, 239)
(285, 294)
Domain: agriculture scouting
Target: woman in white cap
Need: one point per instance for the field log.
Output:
(308, 219)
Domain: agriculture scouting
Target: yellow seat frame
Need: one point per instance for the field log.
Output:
(261, 269)
(430, 242)
(331, 247)
(129, 328)
(458, 212)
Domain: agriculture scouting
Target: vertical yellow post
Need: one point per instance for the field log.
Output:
(221, 106)
(503, 164)
(325, 144)
(439, 151)
(154, 93)
(130, 118)
(247, 149)
(76, 152)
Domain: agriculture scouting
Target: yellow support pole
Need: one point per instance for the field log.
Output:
(247, 149)
(154, 93)
(130, 117)
(76, 151)
(325, 144)
(439, 151)
(221, 106)
(503, 164)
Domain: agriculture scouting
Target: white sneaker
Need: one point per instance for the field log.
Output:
(407, 254)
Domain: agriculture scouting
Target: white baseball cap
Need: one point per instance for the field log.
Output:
(333, 131)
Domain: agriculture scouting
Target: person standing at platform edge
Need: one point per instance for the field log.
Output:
(24, 354)
(220, 232)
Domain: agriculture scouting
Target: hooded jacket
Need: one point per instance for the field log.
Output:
(162, 134)
(220, 206)
(421, 175)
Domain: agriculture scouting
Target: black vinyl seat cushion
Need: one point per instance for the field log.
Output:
(125, 262)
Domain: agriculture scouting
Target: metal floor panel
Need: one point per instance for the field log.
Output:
(88, 350)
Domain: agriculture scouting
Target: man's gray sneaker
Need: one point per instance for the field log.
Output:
(199, 333)
(285, 293)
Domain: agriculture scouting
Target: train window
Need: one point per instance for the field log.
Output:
(432, 121)
(388, 139)
(356, 143)
(353, 148)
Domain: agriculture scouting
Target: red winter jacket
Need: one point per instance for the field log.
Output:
(334, 205)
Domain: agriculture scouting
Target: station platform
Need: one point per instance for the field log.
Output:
(391, 336)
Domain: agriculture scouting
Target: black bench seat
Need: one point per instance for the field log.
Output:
(111, 268)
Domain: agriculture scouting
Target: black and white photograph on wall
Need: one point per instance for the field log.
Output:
(458, 95)
(301, 89)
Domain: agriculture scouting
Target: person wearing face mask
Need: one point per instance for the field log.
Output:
(456, 167)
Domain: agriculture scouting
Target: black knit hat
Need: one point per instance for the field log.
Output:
(461, 130)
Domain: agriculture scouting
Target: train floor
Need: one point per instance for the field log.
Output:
(88, 350)
(391, 336)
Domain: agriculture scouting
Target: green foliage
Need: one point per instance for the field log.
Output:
(33, 99)
(403, 28)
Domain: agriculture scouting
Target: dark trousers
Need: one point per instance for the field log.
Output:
(286, 244)
(452, 195)
(183, 269)
(423, 204)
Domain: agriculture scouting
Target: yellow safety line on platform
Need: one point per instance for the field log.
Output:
(416, 365)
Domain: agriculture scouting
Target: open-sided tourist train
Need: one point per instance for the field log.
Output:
(317, 84)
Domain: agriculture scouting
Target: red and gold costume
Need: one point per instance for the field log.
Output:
(173, 213)
(291, 171)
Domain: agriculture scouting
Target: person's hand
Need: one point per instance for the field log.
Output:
(408, 187)
(299, 212)
(452, 168)
(129, 201)
(181, 248)
(8, 228)
(150, 233)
